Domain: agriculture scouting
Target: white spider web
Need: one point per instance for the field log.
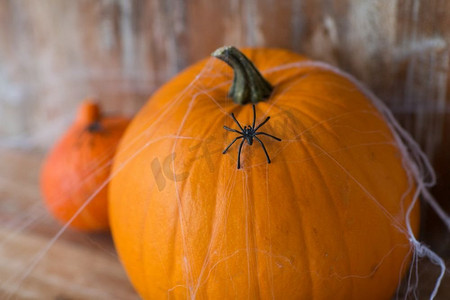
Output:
(415, 163)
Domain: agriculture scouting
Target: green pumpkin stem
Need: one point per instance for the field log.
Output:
(249, 86)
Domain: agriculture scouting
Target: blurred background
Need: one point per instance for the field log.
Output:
(55, 53)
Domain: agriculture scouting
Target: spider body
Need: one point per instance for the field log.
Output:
(248, 133)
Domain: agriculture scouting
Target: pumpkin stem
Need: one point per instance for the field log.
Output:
(248, 83)
(88, 112)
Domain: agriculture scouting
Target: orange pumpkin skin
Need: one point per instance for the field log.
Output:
(324, 220)
(78, 166)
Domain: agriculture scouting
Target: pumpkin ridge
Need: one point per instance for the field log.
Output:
(311, 77)
(321, 122)
(179, 233)
(215, 226)
(304, 263)
(219, 206)
(269, 259)
(181, 219)
(181, 191)
(215, 221)
(386, 259)
(250, 236)
(186, 189)
(314, 105)
(228, 190)
(385, 210)
(334, 209)
(141, 233)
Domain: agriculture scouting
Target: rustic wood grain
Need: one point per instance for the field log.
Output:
(55, 53)
(77, 266)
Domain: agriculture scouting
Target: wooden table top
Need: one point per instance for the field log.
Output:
(76, 266)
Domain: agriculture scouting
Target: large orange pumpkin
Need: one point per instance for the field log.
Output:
(326, 219)
(76, 170)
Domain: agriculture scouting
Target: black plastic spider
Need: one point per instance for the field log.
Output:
(247, 134)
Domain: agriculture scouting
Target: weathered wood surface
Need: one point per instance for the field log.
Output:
(54, 53)
(77, 266)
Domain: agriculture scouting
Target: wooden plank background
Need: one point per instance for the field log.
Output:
(55, 53)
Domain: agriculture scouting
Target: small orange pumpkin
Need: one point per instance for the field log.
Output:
(326, 219)
(79, 165)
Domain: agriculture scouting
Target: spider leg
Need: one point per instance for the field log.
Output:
(239, 137)
(264, 148)
(231, 129)
(237, 122)
(254, 116)
(268, 135)
(267, 119)
(239, 154)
